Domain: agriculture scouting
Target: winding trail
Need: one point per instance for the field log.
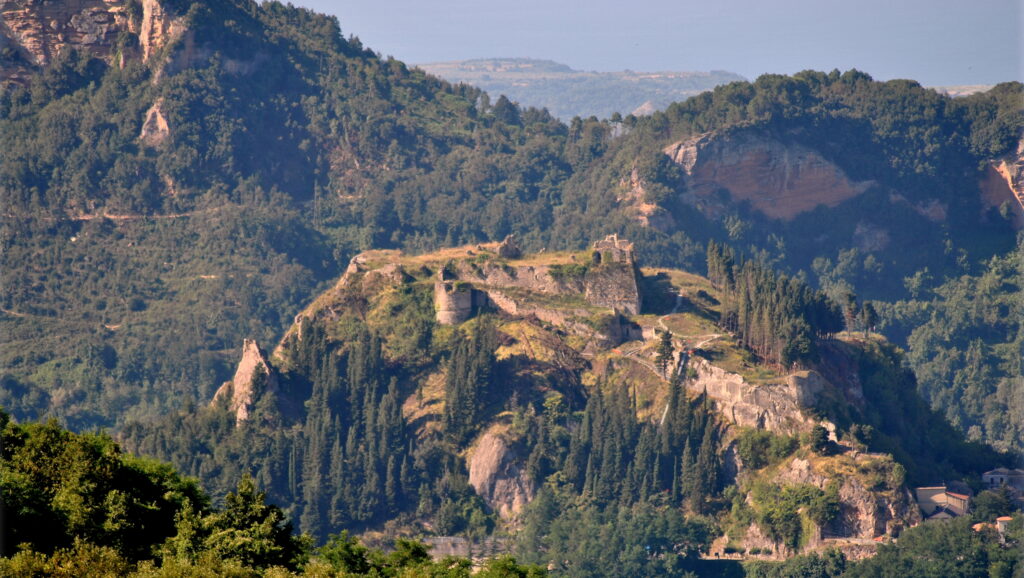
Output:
(679, 342)
(122, 217)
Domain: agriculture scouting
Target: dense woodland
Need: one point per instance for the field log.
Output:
(965, 341)
(267, 183)
(75, 505)
(107, 512)
(779, 319)
(133, 270)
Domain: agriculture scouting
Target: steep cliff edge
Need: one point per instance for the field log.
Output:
(550, 329)
(784, 179)
(496, 472)
(781, 406)
(253, 378)
(39, 31)
(809, 502)
(779, 179)
(1003, 185)
(33, 34)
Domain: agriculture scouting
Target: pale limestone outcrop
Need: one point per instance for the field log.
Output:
(776, 407)
(40, 31)
(159, 28)
(253, 378)
(497, 473)
(779, 179)
(865, 512)
(155, 129)
(872, 503)
(1004, 184)
(633, 199)
(509, 248)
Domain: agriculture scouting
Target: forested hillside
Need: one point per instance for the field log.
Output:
(159, 210)
(112, 514)
(544, 417)
(966, 343)
(75, 505)
(205, 173)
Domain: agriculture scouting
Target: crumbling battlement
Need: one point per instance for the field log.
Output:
(463, 287)
(612, 249)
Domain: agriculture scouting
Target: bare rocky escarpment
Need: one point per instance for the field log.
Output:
(37, 32)
(1004, 184)
(253, 378)
(497, 475)
(779, 179)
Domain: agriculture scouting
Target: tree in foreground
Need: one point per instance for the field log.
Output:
(75, 505)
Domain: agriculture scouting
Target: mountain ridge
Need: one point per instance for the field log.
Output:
(554, 351)
(568, 93)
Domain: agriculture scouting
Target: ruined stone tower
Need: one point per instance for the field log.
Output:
(453, 300)
(612, 249)
(612, 281)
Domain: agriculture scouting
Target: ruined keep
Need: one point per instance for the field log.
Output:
(612, 249)
(612, 281)
(462, 289)
(455, 301)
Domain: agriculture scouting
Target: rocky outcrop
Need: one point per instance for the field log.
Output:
(633, 199)
(155, 128)
(39, 31)
(1003, 185)
(159, 28)
(497, 474)
(872, 501)
(509, 248)
(777, 407)
(777, 178)
(253, 378)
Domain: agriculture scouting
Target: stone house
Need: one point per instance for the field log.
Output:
(1003, 476)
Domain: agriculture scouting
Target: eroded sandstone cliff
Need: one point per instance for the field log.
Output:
(1003, 185)
(33, 33)
(779, 179)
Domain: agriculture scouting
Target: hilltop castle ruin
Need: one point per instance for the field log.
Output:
(462, 289)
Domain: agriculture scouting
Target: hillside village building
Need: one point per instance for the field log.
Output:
(1014, 479)
(938, 502)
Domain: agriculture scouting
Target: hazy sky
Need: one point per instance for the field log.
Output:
(937, 42)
